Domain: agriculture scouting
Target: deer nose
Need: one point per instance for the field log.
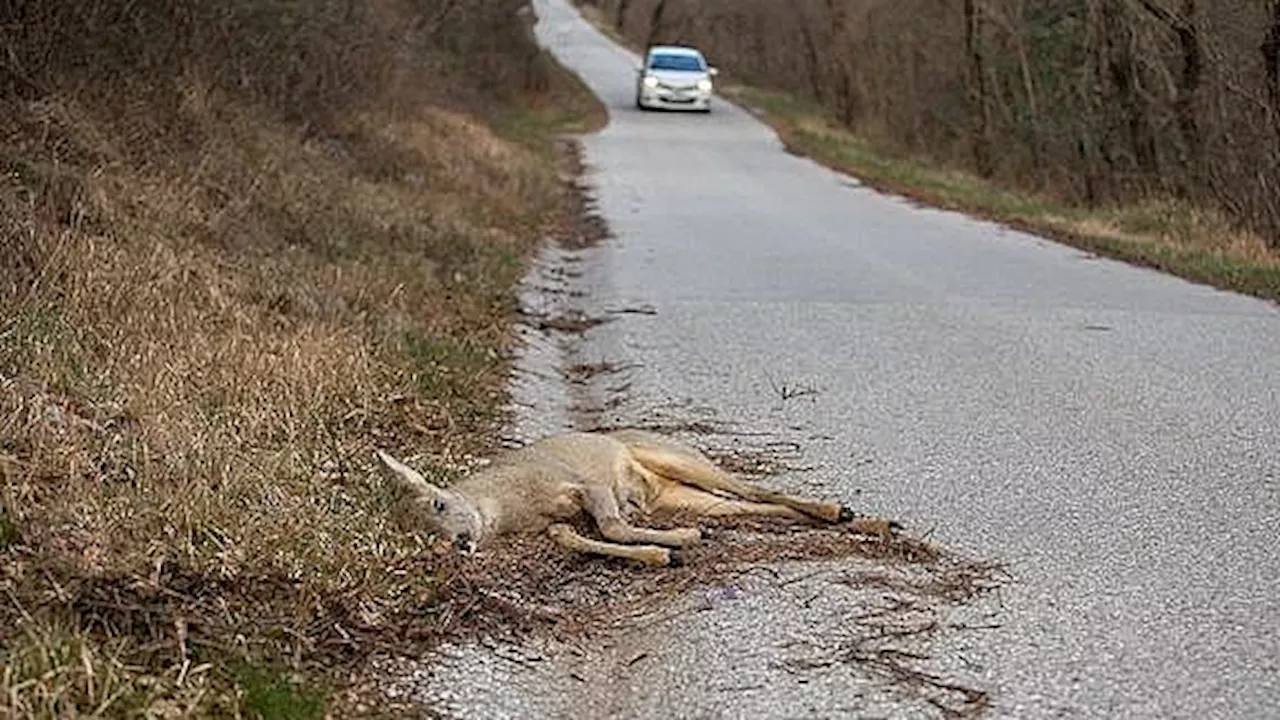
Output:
(465, 543)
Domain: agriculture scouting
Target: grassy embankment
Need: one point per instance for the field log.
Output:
(241, 244)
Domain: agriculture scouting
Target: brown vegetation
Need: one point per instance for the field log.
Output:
(240, 242)
(1089, 101)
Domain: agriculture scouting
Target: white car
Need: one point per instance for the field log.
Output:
(674, 77)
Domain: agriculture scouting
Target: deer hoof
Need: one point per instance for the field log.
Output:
(874, 526)
(689, 536)
(675, 558)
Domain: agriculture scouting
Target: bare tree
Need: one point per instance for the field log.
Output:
(978, 87)
(620, 16)
(1094, 100)
(656, 18)
(1183, 24)
(1271, 64)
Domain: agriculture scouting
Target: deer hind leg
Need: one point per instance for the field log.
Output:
(677, 497)
(601, 505)
(684, 498)
(698, 471)
(569, 539)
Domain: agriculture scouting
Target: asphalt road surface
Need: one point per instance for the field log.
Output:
(1110, 432)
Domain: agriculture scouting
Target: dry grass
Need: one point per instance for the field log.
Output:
(212, 310)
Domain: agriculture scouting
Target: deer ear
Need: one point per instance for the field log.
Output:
(411, 479)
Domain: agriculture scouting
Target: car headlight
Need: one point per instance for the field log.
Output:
(704, 85)
(650, 81)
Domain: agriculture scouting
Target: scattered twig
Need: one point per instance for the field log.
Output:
(572, 321)
(787, 392)
(640, 310)
(582, 372)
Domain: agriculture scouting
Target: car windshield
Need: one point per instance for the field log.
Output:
(675, 62)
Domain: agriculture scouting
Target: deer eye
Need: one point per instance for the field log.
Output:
(437, 505)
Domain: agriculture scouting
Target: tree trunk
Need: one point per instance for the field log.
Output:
(1271, 64)
(848, 102)
(811, 57)
(978, 89)
(1016, 28)
(1126, 77)
(655, 23)
(620, 18)
(1092, 86)
(1184, 26)
(1189, 84)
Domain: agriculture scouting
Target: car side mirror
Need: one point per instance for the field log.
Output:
(713, 71)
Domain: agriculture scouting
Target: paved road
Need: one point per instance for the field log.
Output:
(1111, 432)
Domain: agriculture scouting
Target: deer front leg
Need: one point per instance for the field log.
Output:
(569, 539)
(601, 505)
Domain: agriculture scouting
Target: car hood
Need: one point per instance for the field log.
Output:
(679, 78)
